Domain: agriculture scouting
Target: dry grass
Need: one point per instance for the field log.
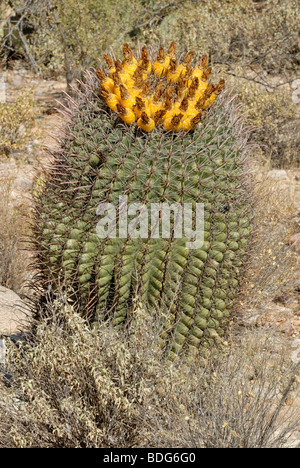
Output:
(14, 259)
(73, 387)
(274, 267)
(276, 119)
(237, 400)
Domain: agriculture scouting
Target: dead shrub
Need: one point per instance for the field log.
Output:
(237, 400)
(71, 386)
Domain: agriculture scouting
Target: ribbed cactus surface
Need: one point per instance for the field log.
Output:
(102, 159)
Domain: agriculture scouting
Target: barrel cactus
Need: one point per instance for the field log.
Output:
(152, 132)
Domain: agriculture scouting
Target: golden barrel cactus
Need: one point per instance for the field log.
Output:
(157, 133)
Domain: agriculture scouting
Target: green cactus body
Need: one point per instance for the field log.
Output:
(102, 159)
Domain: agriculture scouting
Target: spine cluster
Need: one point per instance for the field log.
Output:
(163, 93)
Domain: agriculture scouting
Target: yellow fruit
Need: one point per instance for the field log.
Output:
(215, 94)
(159, 117)
(160, 69)
(127, 115)
(139, 107)
(174, 72)
(161, 64)
(187, 124)
(191, 111)
(172, 50)
(181, 106)
(200, 91)
(146, 123)
(139, 95)
(204, 97)
(183, 68)
(121, 71)
(172, 123)
(193, 89)
(145, 64)
(106, 82)
(110, 64)
(111, 100)
(199, 70)
(130, 63)
(127, 99)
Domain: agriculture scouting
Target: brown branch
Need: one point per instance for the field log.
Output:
(264, 83)
(154, 15)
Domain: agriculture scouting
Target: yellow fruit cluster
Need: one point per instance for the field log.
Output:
(163, 93)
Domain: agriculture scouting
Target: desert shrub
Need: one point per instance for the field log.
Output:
(78, 388)
(237, 400)
(276, 122)
(231, 31)
(17, 120)
(73, 387)
(71, 35)
(234, 31)
(273, 269)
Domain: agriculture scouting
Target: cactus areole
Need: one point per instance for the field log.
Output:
(143, 135)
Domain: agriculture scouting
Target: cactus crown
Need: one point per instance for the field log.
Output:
(163, 93)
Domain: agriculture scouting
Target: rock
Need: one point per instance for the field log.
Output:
(17, 80)
(14, 312)
(297, 220)
(295, 243)
(296, 353)
(21, 130)
(2, 351)
(278, 174)
(23, 184)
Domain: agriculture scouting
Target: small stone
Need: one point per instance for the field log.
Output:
(23, 184)
(295, 243)
(278, 174)
(13, 312)
(2, 351)
(21, 130)
(29, 148)
(17, 81)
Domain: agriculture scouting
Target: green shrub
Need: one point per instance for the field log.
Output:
(275, 117)
(17, 120)
(234, 32)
